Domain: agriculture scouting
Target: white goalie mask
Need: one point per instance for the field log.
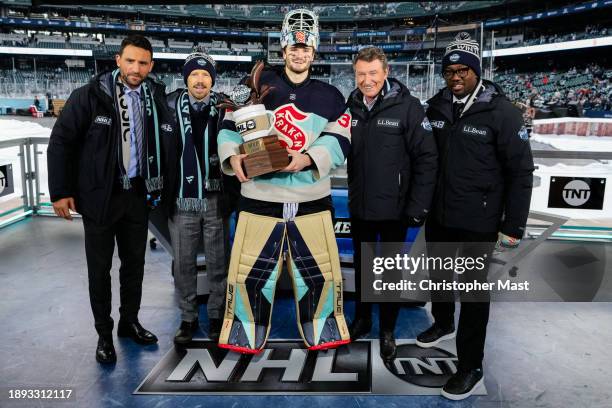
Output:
(300, 26)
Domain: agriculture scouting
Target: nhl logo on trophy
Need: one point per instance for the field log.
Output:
(255, 124)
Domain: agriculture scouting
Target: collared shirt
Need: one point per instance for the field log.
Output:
(462, 100)
(371, 104)
(133, 170)
(468, 97)
(199, 120)
(194, 102)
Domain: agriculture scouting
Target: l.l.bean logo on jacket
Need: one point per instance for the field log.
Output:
(473, 130)
(389, 123)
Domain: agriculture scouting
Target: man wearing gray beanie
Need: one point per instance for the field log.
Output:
(482, 199)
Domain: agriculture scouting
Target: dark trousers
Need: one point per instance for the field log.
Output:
(374, 231)
(474, 316)
(128, 225)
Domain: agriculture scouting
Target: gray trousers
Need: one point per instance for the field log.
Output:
(186, 228)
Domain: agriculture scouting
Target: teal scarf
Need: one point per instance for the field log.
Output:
(198, 174)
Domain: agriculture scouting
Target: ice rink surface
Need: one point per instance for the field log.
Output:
(537, 354)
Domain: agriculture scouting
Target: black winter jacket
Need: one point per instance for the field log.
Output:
(392, 163)
(82, 153)
(485, 173)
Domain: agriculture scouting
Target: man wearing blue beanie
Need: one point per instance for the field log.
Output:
(464, 51)
(193, 195)
(199, 60)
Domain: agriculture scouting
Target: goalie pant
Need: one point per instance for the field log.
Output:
(255, 267)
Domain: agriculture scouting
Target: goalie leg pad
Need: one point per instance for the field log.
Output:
(314, 266)
(253, 273)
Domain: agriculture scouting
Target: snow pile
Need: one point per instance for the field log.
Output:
(11, 129)
(575, 143)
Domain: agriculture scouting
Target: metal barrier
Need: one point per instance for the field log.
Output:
(28, 199)
(31, 197)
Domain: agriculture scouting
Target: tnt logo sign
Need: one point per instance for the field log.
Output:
(576, 192)
(6, 180)
(424, 367)
(415, 371)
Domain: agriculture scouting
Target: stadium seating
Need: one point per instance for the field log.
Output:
(554, 38)
(276, 12)
(592, 88)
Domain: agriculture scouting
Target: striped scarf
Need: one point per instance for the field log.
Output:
(151, 144)
(198, 174)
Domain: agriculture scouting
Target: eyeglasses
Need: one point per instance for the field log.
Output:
(461, 72)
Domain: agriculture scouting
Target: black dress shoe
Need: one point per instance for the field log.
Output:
(462, 384)
(185, 333)
(136, 332)
(105, 352)
(387, 346)
(434, 335)
(214, 329)
(359, 328)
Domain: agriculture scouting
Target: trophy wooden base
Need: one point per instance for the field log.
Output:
(265, 155)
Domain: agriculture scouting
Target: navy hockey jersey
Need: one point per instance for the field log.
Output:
(312, 118)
